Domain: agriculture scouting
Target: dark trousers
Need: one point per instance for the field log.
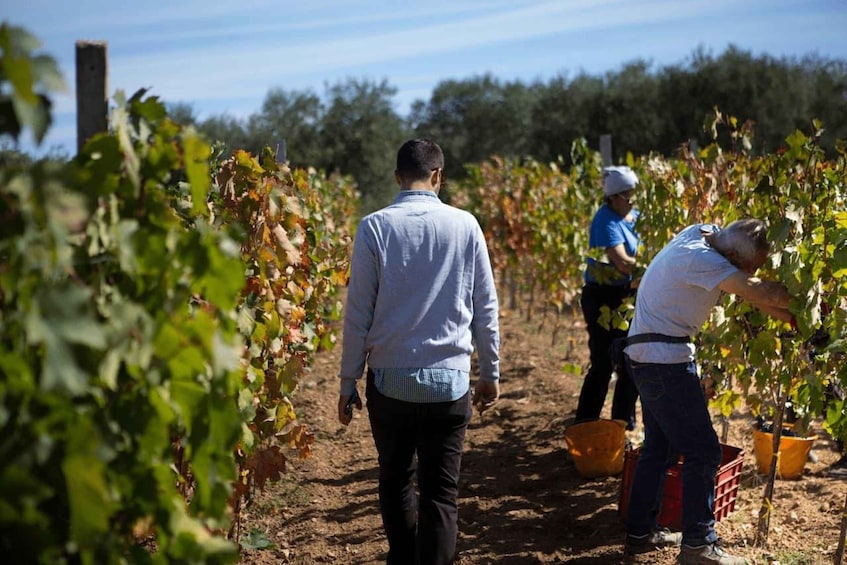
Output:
(419, 532)
(596, 383)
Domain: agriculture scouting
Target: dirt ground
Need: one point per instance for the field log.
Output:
(521, 499)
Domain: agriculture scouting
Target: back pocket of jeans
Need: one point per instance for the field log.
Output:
(651, 387)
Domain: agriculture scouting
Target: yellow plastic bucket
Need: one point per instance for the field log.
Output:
(793, 454)
(597, 447)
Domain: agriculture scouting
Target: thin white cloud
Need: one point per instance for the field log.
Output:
(224, 65)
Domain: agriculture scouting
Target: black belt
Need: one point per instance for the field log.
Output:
(654, 337)
(616, 354)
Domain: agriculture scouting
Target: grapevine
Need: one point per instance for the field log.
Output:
(155, 315)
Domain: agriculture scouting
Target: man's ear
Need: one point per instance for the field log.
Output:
(397, 178)
(435, 177)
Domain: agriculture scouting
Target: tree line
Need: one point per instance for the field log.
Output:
(354, 128)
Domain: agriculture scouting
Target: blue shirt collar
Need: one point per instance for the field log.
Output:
(414, 195)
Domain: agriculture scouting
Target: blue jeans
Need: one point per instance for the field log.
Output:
(676, 422)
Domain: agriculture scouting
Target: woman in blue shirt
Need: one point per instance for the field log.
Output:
(608, 281)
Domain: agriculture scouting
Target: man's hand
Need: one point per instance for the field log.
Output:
(346, 402)
(485, 394)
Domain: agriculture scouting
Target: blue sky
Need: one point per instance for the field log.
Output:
(223, 56)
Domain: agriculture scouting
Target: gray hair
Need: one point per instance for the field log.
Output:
(743, 240)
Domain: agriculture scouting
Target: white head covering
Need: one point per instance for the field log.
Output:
(617, 180)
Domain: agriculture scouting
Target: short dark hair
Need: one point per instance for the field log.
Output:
(417, 158)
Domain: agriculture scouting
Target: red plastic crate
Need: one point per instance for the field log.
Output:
(670, 515)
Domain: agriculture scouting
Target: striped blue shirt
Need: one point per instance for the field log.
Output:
(421, 298)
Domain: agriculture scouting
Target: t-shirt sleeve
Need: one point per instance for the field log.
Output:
(605, 232)
(613, 235)
(710, 270)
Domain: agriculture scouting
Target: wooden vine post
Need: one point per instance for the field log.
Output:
(763, 525)
(839, 553)
(606, 149)
(91, 90)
